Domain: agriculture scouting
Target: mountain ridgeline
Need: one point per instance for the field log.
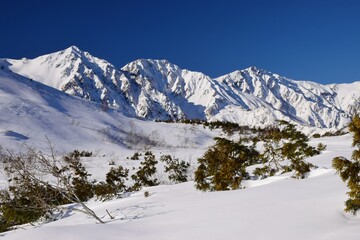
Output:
(160, 90)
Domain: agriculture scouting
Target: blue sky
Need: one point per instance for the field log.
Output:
(306, 40)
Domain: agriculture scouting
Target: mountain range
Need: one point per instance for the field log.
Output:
(159, 90)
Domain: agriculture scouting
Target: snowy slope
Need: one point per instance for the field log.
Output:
(31, 111)
(348, 97)
(279, 208)
(158, 89)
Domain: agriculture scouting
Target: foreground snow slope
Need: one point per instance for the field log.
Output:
(279, 208)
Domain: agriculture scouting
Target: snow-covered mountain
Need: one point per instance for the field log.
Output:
(32, 112)
(158, 89)
(305, 102)
(77, 73)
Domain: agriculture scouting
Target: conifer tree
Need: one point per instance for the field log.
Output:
(145, 175)
(349, 170)
(285, 149)
(176, 169)
(83, 188)
(223, 166)
(271, 156)
(114, 184)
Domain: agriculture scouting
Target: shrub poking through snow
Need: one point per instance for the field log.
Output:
(321, 147)
(114, 184)
(349, 170)
(285, 149)
(136, 156)
(83, 188)
(39, 184)
(223, 166)
(146, 194)
(144, 177)
(176, 169)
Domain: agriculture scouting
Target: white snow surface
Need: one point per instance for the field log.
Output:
(157, 89)
(278, 207)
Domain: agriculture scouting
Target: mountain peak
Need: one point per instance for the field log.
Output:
(252, 68)
(256, 70)
(73, 48)
(145, 65)
(146, 61)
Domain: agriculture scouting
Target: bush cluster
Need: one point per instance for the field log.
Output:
(31, 195)
(223, 166)
(40, 184)
(333, 134)
(227, 127)
(176, 170)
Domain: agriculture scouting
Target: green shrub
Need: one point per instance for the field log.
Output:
(29, 196)
(176, 169)
(321, 147)
(223, 166)
(349, 170)
(76, 154)
(114, 184)
(82, 187)
(145, 175)
(264, 172)
(136, 156)
(316, 135)
(27, 203)
(285, 149)
(332, 134)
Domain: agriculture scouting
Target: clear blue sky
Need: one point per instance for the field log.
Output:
(316, 40)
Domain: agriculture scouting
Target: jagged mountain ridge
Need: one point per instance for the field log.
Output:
(158, 89)
(77, 73)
